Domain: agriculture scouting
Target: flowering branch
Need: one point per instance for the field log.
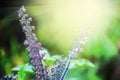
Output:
(77, 48)
(60, 71)
(33, 46)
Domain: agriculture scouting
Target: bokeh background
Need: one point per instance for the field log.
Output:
(58, 24)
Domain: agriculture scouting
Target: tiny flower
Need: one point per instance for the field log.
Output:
(23, 9)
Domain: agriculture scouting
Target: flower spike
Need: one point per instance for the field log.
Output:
(33, 46)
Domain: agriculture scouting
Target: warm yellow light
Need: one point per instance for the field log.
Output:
(63, 19)
(77, 15)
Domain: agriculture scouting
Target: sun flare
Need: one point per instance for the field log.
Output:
(64, 19)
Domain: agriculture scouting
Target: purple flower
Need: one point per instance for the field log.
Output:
(33, 46)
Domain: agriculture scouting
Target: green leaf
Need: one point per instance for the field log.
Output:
(56, 57)
(81, 73)
(27, 68)
(49, 62)
(79, 70)
(21, 73)
(81, 62)
(17, 68)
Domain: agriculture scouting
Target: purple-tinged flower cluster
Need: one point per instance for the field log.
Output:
(77, 47)
(60, 71)
(57, 71)
(33, 46)
(9, 77)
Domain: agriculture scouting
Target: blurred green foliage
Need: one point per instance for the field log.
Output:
(77, 70)
(100, 47)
